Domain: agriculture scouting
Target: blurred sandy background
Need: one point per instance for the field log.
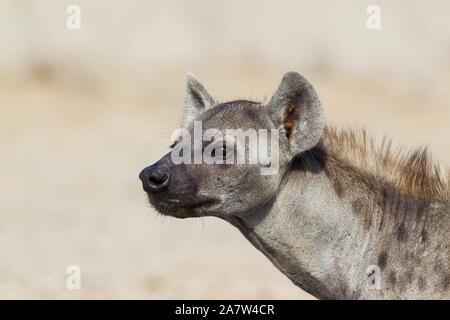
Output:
(81, 112)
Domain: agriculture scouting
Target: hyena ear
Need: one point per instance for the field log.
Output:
(196, 101)
(295, 109)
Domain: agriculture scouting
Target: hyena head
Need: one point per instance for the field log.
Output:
(228, 159)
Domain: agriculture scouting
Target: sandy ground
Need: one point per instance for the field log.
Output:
(74, 134)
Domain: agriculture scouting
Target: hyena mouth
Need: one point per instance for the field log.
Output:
(181, 209)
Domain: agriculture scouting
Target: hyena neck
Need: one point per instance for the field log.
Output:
(326, 231)
(310, 235)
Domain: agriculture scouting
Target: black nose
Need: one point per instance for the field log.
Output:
(155, 178)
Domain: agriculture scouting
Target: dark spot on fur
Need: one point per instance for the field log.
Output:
(401, 233)
(357, 206)
(424, 236)
(421, 283)
(439, 266)
(384, 201)
(446, 282)
(355, 295)
(382, 259)
(338, 188)
(362, 212)
(392, 278)
(409, 276)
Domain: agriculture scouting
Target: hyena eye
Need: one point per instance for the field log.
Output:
(221, 151)
(218, 152)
